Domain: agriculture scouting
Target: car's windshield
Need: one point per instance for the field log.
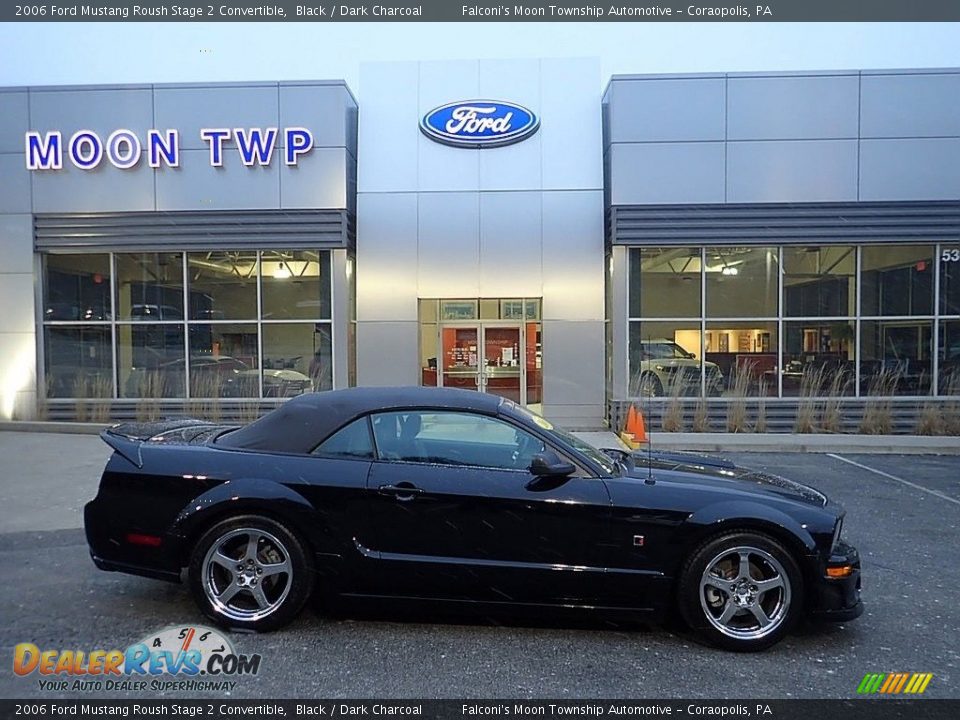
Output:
(583, 447)
(664, 350)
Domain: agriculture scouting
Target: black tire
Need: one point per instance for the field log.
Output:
(259, 593)
(728, 609)
(650, 385)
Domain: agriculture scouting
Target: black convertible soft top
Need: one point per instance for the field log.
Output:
(301, 423)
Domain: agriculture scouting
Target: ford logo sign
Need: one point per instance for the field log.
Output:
(479, 123)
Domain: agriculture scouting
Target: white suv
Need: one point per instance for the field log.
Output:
(663, 364)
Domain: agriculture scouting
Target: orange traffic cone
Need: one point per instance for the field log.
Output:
(639, 428)
(634, 429)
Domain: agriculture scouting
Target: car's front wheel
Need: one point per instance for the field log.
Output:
(250, 572)
(741, 591)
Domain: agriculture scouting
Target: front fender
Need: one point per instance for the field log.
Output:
(239, 497)
(744, 513)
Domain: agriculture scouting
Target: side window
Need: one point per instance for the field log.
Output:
(452, 438)
(351, 442)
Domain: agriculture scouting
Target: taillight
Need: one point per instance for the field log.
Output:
(141, 539)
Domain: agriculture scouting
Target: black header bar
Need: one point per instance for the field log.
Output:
(486, 11)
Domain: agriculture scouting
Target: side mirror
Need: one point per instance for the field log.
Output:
(549, 464)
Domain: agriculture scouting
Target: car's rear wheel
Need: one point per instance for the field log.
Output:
(250, 572)
(649, 385)
(741, 591)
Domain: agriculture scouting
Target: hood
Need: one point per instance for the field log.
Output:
(720, 473)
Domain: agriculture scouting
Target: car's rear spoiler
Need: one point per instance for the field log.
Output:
(128, 438)
(127, 446)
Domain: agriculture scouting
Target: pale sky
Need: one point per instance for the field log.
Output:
(92, 53)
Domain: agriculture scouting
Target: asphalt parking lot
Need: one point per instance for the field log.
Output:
(905, 526)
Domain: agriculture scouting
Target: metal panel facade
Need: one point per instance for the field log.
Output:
(792, 108)
(785, 137)
(672, 172)
(792, 171)
(673, 110)
(323, 179)
(485, 219)
(910, 169)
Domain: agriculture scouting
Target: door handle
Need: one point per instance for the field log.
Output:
(404, 492)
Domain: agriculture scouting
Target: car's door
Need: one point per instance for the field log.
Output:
(334, 479)
(457, 513)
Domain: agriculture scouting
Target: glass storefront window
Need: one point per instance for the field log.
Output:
(819, 358)
(149, 286)
(665, 360)
(950, 279)
(949, 381)
(819, 281)
(895, 357)
(745, 354)
(458, 309)
(224, 360)
(664, 282)
(76, 287)
(742, 282)
(150, 360)
(144, 345)
(297, 358)
(77, 361)
(223, 285)
(296, 284)
(897, 280)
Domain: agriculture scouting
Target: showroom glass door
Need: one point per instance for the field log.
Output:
(503, 369)
(460, 356)
(490, 357)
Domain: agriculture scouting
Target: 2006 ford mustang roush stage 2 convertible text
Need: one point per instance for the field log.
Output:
(462, 497)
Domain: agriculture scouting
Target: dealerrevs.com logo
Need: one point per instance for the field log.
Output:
(189, 657)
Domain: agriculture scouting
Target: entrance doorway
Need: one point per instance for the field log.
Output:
(499, 355)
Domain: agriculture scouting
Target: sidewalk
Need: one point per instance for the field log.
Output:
(786, 442)
(705, 442)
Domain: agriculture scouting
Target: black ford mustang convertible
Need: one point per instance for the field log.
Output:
(461, 497)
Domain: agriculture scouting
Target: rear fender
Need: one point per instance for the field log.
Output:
(241, 497)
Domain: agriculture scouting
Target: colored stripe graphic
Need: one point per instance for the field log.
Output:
(894, 683)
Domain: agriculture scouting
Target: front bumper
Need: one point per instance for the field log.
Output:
(836, 599)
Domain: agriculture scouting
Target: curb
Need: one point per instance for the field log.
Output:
(691, 442)
(816, 443)
(65, 428)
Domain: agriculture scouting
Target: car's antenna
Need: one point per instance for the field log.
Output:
(650, 433)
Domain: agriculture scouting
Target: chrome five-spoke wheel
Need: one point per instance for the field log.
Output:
(250, 572)
(745, 592)
(741, 590)
(247, 574)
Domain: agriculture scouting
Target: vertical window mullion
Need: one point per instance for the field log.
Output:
(935, 340)
(186, 327)
(326, 287)
(703, 321)
(780, 313)
(113, 325)
(858, 358)
(259, 271)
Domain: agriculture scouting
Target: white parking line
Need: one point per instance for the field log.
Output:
(899, 480)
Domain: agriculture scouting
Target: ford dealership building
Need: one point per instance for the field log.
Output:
(497, 225)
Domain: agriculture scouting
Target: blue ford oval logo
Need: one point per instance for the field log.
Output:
(479, 123)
